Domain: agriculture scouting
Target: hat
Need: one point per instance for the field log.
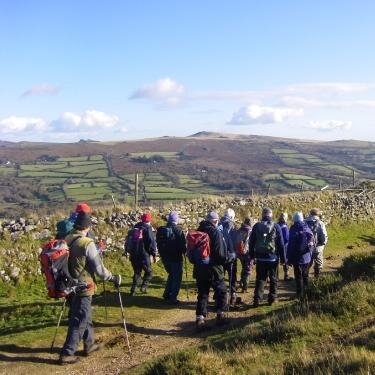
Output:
(212, 215)
(146, 217)
(83, 207)
(63, 228)
(266, 212)
(229, 213)
(298, 217)
(83, 221)
(173, 217)
(315, 212)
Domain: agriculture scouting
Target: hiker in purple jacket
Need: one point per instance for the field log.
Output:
(283, 224)
(300, 248)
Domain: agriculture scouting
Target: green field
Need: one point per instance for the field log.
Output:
(164, 154)
(280, 180)
(7, 171)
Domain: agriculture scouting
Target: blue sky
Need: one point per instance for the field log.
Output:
(112, 70)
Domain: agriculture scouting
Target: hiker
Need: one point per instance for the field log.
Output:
(321, 238)
(171, 243)
(82, 207)
(140, 244)
(283, 224)
(266, 246)
(84, 263)
(63, 228)
(211, 274)
(228, 229)
(241, 245)
(299, 253)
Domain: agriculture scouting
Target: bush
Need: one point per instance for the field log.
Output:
(358, 266)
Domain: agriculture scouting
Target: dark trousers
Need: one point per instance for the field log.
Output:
(207, 277)
(301, 275)
(80, 324)
(246, 270)
(138, 267)
(173, 284)
(231, 269)
(264, 270)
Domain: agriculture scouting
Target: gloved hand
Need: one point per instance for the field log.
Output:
(116, 279)
(231, 257)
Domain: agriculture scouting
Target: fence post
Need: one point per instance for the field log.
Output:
(268, 189)
(136, 190)
(353, 178)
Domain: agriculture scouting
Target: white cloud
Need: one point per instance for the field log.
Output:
(42, 89)
(255, 114)
(165, 90)
(330, 125)
(14, 124)
(87, 121)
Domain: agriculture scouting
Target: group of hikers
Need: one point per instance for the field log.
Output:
(215, 248)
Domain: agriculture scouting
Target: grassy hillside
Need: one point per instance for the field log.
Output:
(45, 175)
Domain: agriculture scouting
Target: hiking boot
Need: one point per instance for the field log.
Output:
(221, 320)
(68, 359)
(91, 349)
(272, 301)
(244, 289)
(288, 278)
(233, 298)
(200, 325)
(255, 304)
(132, 292)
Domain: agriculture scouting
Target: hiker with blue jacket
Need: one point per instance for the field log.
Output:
(211, 274)
(171, 243)
(228, 228)
(140, 244)
(299, 254)
(283, 224)
(266, 246)
(84, 264)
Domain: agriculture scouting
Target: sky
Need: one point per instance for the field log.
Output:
(118, 70)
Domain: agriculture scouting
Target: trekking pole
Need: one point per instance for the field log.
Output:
(123, 320)
(104, 290)
(58, 324)
(186, 279)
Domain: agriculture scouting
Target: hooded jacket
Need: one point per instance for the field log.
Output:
(294, 255)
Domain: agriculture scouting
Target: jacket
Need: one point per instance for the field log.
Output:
(174, 249)
(294, 254)
(320, 232)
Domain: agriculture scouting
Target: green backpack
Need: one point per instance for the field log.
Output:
(265, 243)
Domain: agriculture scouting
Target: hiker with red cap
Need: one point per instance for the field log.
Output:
(140, 244)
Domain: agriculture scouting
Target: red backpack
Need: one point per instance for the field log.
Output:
(198, 247)
(54, 262)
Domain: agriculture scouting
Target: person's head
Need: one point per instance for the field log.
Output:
(298, 217)
(146, 217)
(213, 218)
(173, 217)
(230, 214)
(315, 212)
(63, 228)
(248, 222)
(283, 218)
(267, 213)
(83, 222)
(83, 207)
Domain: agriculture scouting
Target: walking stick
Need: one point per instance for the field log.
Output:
(123, 320)
(58, 324)
(186, 279)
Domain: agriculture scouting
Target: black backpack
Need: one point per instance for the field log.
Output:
(165, 238)
(317, 231)
(265, 243)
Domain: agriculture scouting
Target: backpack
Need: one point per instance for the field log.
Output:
(198, 247)
(316, 229)
(241, 244)
(134, 241)
(265, 239)
(302, 241)
(54, 264)
(165, 236)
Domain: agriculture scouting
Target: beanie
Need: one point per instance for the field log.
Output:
(146, 217)
(173, 217)
(298, 217)
(63, 228)
(83, 207)
(212, 215)
(229, 213)
(83, 221)
(266, 212)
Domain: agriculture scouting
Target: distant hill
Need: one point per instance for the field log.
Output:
(40, 174)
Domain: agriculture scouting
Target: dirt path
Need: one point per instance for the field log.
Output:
(155, 337)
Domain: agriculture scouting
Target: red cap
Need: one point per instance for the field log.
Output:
(146, 217)
(83, 207)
